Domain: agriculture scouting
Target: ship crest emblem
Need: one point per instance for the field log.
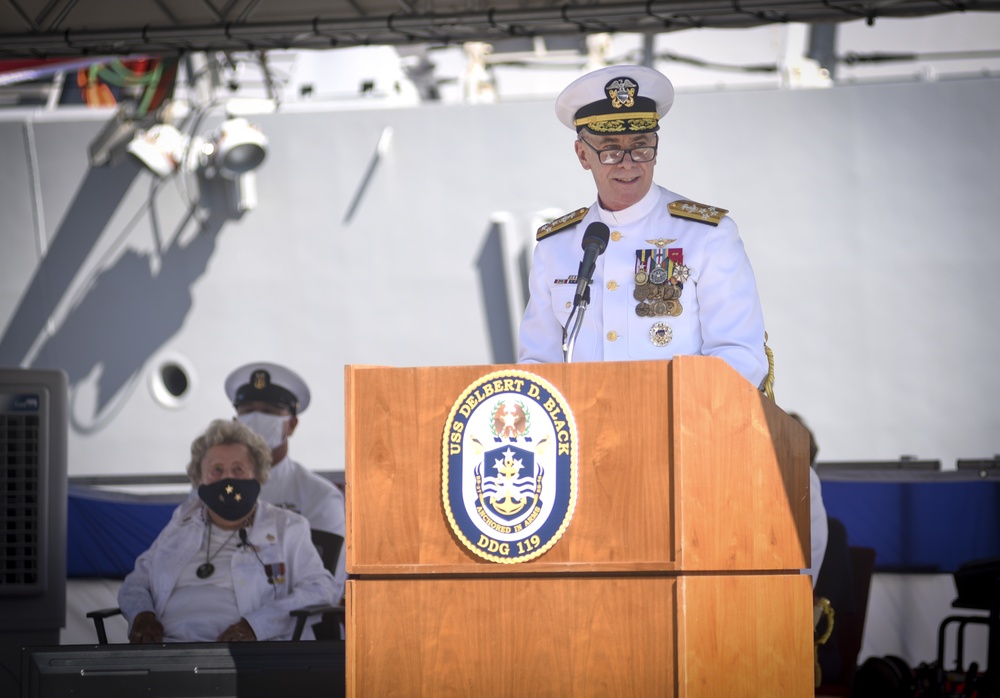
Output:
(509, 478)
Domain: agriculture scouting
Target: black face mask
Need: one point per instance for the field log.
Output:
(231, 499)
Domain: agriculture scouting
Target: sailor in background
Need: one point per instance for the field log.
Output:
(675, 278)
(268, 398)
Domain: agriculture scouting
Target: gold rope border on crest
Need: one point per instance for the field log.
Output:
(573, 467)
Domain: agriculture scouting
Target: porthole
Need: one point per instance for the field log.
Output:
(171, 380)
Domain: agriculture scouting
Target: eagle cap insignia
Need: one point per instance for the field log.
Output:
(260, 379)
(697, 212)
(622, 92)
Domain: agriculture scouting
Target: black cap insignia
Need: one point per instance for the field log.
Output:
(260, 379)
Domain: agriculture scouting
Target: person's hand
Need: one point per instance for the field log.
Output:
(238, 632)
(145, 629)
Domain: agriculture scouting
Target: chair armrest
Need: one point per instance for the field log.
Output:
(99, 616)
(301, 615)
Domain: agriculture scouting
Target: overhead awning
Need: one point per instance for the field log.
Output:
(54, 28)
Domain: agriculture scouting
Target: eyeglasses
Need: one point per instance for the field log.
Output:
(613, 156)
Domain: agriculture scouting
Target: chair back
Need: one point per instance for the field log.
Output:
(328, 545)
(845, 579)
(853, 626)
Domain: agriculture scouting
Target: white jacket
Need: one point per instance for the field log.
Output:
(721, 314)
(280, 537)
(295, 487)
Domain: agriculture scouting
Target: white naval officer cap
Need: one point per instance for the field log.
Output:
(270, 383)
(619, 99)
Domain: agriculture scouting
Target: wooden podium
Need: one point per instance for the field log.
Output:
(678, 575)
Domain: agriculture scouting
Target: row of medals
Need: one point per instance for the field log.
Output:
(657, 294)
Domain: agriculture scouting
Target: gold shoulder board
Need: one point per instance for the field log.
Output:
(697, 212)
(561, 223)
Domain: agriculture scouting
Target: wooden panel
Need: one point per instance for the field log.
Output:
(742, 636)
(511, 636)
(685, 445)
(741, 463)
(691, 636)
(395, 518)
(741, 469)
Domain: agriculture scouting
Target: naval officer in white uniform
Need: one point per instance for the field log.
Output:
(268, 398)
(675, 278)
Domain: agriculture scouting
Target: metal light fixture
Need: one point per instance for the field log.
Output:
(235, 148)
(232, 153)
(156, 141)
(238, 147)
(161, 148)
(225, 157)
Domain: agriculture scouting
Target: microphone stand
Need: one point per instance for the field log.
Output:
(573, 324)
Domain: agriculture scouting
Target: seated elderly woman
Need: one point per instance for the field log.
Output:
(227, 567)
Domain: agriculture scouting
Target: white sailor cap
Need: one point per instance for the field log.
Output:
(270, 383)
(619, 99)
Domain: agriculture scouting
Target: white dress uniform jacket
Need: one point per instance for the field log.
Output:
(295, 487)
(819, 527)
(280, 537)
(720, 316)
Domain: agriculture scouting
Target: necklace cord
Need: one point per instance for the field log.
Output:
(208, 569)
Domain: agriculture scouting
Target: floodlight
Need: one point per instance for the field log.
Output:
(239, 147)
(161, 148)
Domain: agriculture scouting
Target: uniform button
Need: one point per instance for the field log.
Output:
(569, 304)
(612, 285)
(616, 236)
(612, 336)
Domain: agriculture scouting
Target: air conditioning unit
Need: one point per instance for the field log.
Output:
(33, 432)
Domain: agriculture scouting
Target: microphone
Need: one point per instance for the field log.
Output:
(267, 568)
(595, 240)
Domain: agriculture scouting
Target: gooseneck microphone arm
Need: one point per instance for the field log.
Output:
(595, 241)
(573, 323)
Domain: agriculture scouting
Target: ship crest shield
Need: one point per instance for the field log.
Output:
(509, 478)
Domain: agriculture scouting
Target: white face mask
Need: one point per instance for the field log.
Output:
(270, 427)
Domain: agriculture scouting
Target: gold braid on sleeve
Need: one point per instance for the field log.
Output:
(822, 610)
(767, 386)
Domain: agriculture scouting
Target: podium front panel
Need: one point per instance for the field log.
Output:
(512, 636)
(686, 636)
(682, 465)
(396, 519)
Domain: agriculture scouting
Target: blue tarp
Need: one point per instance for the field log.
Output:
(927, 523)
(106, 532)
(930, 526)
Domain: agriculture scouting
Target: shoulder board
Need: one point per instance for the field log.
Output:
(697, 212)
(561, 223)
